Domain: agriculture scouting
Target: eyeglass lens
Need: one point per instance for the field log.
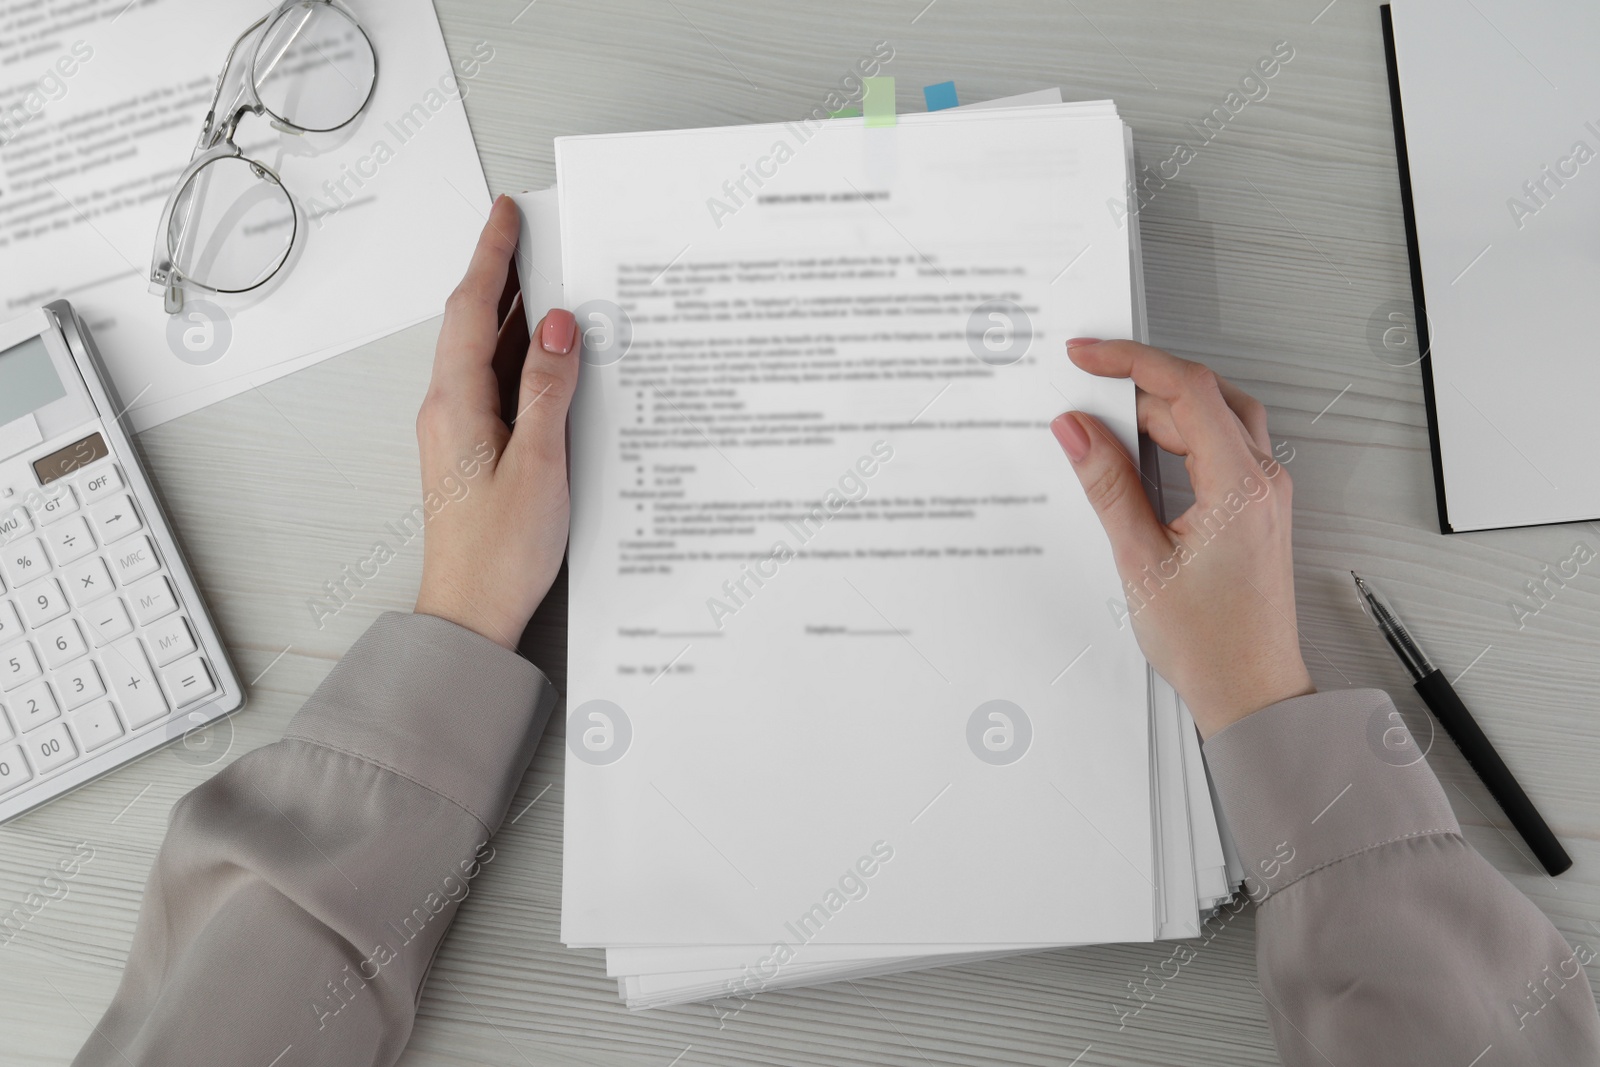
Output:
(314, 68)
(232, 226)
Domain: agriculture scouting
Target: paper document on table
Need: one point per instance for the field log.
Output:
(826, 557)
(93, 135)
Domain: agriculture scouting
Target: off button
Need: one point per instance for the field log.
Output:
(101, 485)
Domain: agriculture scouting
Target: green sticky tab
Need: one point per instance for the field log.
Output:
(877, 102)
(845, 113)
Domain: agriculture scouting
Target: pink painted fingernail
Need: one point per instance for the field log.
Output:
(1070, 433)
(1079, 342)
(559, 332)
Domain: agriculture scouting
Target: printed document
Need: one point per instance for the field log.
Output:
(843, 607)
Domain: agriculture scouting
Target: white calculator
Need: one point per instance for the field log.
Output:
(106, 649)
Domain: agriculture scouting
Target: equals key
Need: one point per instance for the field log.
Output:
(188, 680)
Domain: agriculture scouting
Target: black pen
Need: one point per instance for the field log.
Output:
(1452, 714)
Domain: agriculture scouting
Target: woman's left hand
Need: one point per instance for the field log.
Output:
(496, 494)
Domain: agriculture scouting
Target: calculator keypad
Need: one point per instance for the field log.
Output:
(94, 645)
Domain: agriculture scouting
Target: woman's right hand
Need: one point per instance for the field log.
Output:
(1211, 594)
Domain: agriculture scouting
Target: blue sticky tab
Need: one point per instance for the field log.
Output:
(940, 96)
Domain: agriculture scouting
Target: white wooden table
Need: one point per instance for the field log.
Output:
(1268, 255)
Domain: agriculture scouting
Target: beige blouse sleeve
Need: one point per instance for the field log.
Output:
(298, 900)
(1382, 937)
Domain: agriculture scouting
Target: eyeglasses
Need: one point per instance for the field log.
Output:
(229, 224)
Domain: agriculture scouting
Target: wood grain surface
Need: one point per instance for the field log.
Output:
(1270, 255)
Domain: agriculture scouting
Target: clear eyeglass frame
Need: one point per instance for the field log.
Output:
(238, 93)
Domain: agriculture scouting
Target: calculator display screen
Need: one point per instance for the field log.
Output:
(28, 380)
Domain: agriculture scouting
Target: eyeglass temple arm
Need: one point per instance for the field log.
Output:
(265, 69)
(209, 129)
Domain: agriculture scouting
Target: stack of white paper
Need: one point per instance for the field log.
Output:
(851, 683)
